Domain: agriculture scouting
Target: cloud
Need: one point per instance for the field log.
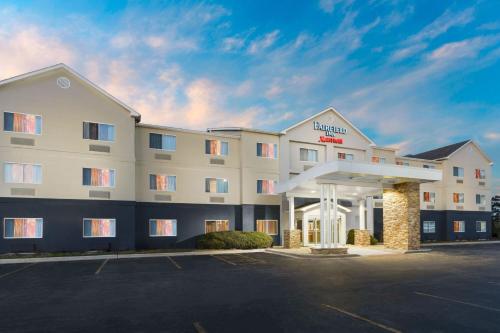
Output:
(468, 48)
(492, 136)
(232, 43)
(122, 41)
(443, 23)
(26, 47)
(407, 52)
(490, 26)
(397, 17)
(328, 6)
(264, 42)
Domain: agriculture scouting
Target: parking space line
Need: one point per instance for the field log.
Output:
(494, 283)
(100, 267)
(199, 328)
(353, 315)
(174, 262)
(17, 270)
(218, 257)
(458, 301)
(251, 258)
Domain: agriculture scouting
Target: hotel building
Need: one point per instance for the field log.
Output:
(79, 171)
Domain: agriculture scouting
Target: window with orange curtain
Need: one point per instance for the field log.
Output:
(429, 197)
(162, 228)
(99, 228)
(22, 123)
(163, 183)
(98, 177)
(216, 225)
(23, 228)
(458, 226)
(216, 147)
(480, 174)
(458, 197)
(269, 227)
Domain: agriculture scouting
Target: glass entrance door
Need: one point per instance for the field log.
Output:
(314, 232)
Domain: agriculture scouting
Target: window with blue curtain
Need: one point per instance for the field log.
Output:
(172, 183)
(22, 123)
(224, 148)
(222, 186)
(259, 186)
(155, 141)
(162, 141)
(22, 173)
(96, 131)
(87, 176)
(216, 185)
(8, 121)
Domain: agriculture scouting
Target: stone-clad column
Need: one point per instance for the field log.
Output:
(402, 216)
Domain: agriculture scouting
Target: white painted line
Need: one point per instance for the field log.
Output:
(219, 257)
(174, 262)
(100, 267)
(250, 258)
(374, 323)
(199, 328)
(131, 255)
(458, 301)
(15, 271)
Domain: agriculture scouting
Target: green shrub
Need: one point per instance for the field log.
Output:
(234, 240)
(350, 238)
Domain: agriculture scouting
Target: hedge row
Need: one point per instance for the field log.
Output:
(234, 240)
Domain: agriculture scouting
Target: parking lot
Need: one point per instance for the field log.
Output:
(451, 289)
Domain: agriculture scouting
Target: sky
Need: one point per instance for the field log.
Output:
(411, 75)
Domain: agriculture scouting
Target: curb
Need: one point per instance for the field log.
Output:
(312, 256)
(124, 256)
(458, 243)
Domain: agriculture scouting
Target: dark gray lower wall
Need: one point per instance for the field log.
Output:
(252, 213)
(190, 222)
(444, 225)
(63, 224)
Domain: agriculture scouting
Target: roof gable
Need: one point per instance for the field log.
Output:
(82, 79)
(338, 114)
(439, 153)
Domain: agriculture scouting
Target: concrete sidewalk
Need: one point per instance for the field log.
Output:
(353, 251)
(124, 256)
(456, 243)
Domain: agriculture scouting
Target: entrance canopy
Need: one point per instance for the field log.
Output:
(354, 179)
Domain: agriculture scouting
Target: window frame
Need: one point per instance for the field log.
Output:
(432, 197)
(460, 223)
(459, 193)
(163, 191)
(26, 114)
(97, 186)
(161, 149)
(216, 225)
(269, 180)
(205, 185)
(481, 171)
(458, 173)
(14, 218)
(480, 203)
(93, 122)
(162, 236)
(482, 223)
(266, 224)
(220, 155)
(427, 230)
(308, 149)
(99, 218)
(37, 164)
(265, 143)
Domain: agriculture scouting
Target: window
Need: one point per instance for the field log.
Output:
(162, 228)
(96, 131)
(402, 163)
(99, 228)
(345, 156)
(162, 141)
(480, 199)
(22, 123)
(216, 225)
(429, 166)
(458, 226)
(458, 197)
(458, 172)
(98, 177)
(216, 147)
(265, 186)
(480, 226)
(269, 227)
(429, 227)
(308, 155)
(376, 159)
(17, 173)
(216, 185)
(269, 150)
(162, 183)
(22, 228)
(430, 197)
(480, 174)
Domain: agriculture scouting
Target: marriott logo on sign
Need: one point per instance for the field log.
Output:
(330, 132)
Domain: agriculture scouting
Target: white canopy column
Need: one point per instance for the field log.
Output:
(291, 212)
(362, 221)
(328, 216)
(369, 214)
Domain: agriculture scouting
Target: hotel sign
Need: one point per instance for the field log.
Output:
(331, 132)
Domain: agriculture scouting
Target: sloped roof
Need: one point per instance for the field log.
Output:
(439, 153)
(65, 67)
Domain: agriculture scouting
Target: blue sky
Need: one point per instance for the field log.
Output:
(413, 75)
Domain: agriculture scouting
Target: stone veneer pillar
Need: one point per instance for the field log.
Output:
(292, 239)
(402, 216)
(361, 237)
